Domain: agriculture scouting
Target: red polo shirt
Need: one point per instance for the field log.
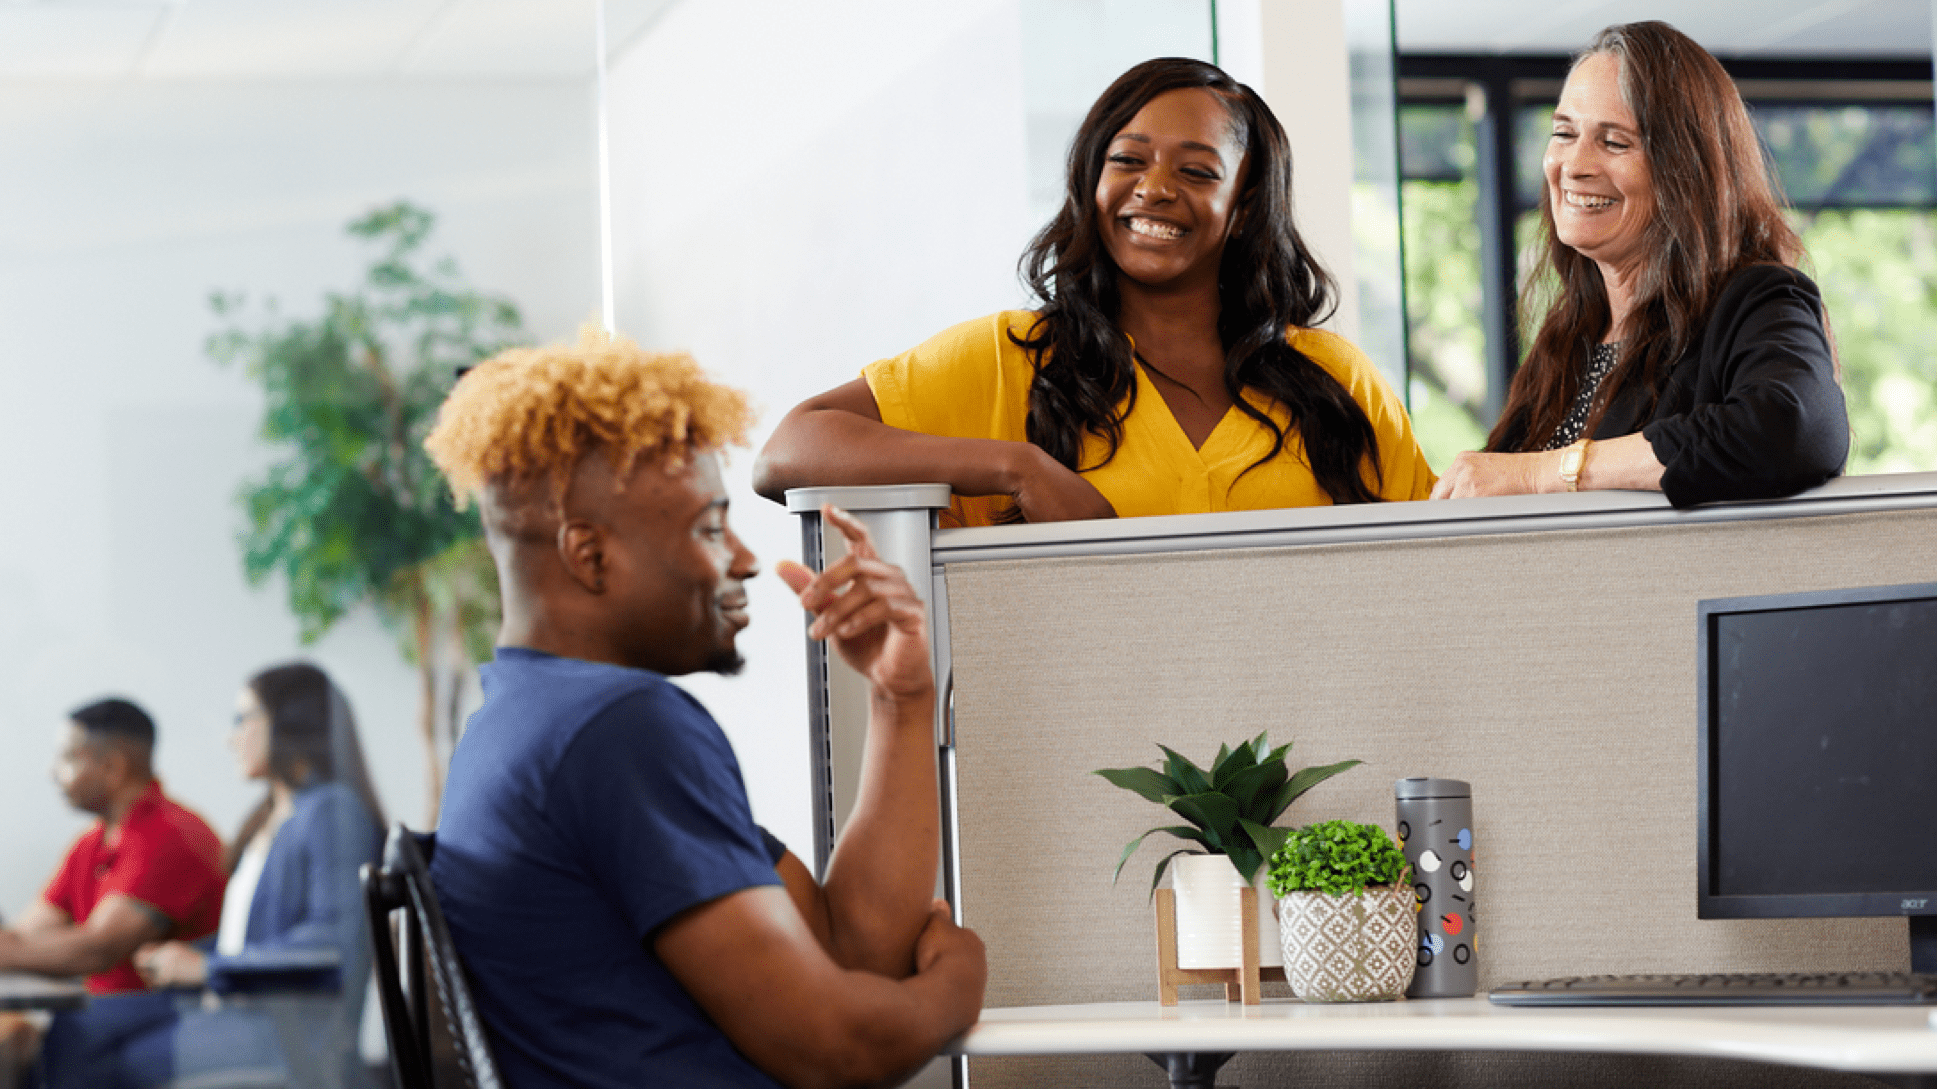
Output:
(164, 856)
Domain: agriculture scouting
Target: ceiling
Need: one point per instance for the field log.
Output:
(553, 39)
(313, 39)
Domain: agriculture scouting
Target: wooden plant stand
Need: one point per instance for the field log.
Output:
(1241, 983)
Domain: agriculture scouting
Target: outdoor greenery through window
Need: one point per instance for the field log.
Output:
(1860, 178)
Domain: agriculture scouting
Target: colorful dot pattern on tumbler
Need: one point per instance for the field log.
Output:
(1451, 922)
(1437, 837)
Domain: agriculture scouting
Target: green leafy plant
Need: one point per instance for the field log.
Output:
(1231, 807)
(353, 512)
(1337, 857)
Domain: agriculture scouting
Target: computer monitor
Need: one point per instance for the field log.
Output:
(1818, 753)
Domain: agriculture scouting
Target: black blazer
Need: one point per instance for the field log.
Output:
(1754, 412)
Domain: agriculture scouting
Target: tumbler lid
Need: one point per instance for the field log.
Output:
(869, 497)
(1414, 789)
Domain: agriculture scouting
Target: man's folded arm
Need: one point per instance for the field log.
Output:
(116, 927)
(759, 969)
(39, 918)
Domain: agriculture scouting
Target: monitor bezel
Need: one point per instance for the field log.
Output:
(1711, 905)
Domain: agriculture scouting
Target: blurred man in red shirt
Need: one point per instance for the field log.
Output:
(148, 870)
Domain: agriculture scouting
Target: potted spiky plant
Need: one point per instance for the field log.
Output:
(1230, 809)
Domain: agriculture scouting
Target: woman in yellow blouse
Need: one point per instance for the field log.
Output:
(1170, 368)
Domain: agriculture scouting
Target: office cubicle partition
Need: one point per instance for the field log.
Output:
(1542, 648)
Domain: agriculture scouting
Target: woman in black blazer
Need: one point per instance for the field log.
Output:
(1681, 351)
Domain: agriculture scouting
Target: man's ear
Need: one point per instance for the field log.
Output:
(117, 764)
(582, 549)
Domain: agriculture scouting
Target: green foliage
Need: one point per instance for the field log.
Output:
(1230, 808)
(1878, 270)
(1337, 857)
(355, 511)
(1849, 155)
(1446, 347)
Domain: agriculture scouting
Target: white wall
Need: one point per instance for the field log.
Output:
(128, 201)
(1304, 78)
(798, 190)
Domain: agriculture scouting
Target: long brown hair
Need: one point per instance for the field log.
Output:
(1267, 280)
(312, 739)
(1717, 210)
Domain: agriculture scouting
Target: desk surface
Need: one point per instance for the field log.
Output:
(26, 991)
(1880, 1039)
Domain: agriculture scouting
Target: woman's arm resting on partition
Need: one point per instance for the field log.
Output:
(1765, 416)
(1628, 462)
(754, 966)
(1768, 418)
(839, 438)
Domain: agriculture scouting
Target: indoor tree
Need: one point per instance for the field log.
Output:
(354, 512)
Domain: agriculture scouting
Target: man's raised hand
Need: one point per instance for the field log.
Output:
(866, 608)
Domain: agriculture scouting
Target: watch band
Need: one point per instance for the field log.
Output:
(1573, 456)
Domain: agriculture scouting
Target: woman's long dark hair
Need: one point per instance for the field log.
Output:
(312, 739)
(1267, 281)
(1717, 210)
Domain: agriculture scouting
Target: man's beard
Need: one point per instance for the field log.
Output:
(727, 662)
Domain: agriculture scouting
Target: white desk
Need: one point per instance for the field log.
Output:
(1869, 1039)
(27, 991)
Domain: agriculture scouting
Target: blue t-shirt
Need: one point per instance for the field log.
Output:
(587, 805)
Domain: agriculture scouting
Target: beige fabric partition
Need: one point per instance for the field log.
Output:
(1553, 670)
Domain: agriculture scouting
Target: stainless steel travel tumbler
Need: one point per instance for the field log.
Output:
(1436, 826)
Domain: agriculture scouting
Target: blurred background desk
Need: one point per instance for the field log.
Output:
(26, 991)
(1897, 1042)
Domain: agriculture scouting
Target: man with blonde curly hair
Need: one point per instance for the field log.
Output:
(623, 919)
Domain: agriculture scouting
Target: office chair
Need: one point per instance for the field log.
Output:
(431, 1044)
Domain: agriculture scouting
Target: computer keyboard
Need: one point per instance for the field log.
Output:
(1738, 989)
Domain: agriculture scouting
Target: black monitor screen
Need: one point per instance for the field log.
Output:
(1820, 764)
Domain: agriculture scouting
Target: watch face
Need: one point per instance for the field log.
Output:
(1571, 464)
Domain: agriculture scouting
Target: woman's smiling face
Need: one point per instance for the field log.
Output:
(1170, 181)
(1599, 186)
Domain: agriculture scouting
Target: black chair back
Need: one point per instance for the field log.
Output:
(433, 1043)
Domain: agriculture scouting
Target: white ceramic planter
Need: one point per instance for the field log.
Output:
(1207, 888)
(1349, 948)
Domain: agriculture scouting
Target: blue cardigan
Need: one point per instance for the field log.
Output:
(308, 897)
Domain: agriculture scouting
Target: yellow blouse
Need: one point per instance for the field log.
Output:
(973, 381)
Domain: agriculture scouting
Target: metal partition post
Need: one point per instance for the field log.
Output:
(901, 520)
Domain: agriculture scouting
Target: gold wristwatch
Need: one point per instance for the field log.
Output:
(1572, 458)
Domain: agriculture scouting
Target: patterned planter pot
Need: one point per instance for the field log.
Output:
(1349, 948)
